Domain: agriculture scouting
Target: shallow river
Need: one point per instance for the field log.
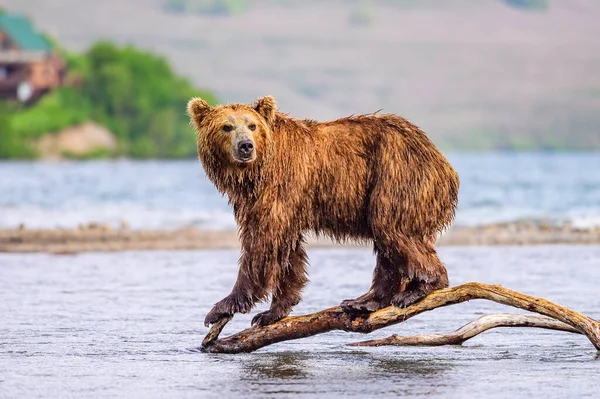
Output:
(129, 325)
(495, 187)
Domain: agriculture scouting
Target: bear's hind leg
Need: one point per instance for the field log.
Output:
(425, 274)
(287, 291)
(386, 283)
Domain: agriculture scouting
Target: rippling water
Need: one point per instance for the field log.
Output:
(172, 194)
(129, 324)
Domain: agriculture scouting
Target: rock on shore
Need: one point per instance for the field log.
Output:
(77, 141)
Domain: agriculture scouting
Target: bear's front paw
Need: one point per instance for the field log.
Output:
(268, 317)
(215, 315)
(227, 307)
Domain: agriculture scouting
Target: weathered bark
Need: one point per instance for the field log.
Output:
(295, 327)
(471, 330)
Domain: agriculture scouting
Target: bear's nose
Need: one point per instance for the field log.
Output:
(245, 147)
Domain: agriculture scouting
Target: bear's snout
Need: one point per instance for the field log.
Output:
(246, 147)
(245, 150)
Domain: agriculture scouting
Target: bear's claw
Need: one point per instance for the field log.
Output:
(213, 316)
(360, 305)
(407, 298)
(266, 318)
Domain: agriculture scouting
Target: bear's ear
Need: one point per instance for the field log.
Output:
(197, 108)
(266, 107)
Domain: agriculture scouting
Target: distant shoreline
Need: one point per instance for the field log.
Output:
(98, 238)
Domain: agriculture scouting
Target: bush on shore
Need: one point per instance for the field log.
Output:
(133, 93)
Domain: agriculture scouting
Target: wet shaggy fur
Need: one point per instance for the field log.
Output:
(368, 177)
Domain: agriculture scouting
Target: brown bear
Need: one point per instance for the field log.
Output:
(367, 177)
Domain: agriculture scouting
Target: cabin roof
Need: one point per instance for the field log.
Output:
(19, 29)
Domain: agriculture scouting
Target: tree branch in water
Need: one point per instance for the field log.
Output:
(334, 318)
(471, 330)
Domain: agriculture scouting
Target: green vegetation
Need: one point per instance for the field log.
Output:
(135, 94)
(12, 146)
(212, 7)
(59, 109)
(139, 98)
(528, 4)
(98, 153)
(362, 14)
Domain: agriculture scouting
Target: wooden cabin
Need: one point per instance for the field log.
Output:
(28, 66)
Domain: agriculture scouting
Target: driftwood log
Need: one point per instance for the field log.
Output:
(473, 329)
(554, 317)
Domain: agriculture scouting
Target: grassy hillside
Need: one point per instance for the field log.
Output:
(475, 74)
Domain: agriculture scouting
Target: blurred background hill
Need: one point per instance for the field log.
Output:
(475, 74)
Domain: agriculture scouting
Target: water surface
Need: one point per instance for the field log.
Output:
(495, 187)
(129, 324)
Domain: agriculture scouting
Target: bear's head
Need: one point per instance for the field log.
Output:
(236, 135)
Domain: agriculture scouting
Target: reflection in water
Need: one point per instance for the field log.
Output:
(408, 368)
(280, 374)
(283, 365)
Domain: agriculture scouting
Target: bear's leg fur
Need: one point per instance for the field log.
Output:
(406, 271)
(426, 273)
(386, 284)
(245, 293)
(287, 289)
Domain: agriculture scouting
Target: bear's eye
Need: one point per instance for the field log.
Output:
(227, 128)
(252, 127)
